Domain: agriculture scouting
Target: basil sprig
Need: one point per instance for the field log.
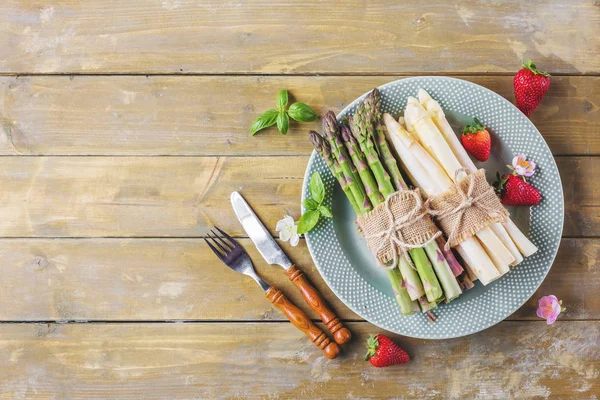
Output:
(314, 205)
(281, 116)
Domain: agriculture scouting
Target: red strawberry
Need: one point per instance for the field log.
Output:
(514, 191)
(476, 140)
(383, 352)
(531, 85)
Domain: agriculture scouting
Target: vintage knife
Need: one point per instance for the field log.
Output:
(273, 254)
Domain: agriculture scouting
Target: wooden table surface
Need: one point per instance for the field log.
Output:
(124, 128)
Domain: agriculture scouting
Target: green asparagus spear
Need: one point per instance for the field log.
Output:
(324, 150)
(362, 129)
(338, 149)
(373, 104)
(410, 279)
(432, 287)
(407, 306)
(358, 158)
(426, 305)
(443, 272)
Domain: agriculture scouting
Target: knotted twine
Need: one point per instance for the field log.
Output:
(398, 224)
(467, 208)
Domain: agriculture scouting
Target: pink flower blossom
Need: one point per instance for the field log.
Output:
(549, 307)
(522, 166)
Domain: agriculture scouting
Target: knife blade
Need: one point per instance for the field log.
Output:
(260, 236)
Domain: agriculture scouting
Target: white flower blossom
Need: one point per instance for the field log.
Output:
(288, 230)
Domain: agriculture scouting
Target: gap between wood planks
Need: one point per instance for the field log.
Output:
(225, 321)
(329, 74)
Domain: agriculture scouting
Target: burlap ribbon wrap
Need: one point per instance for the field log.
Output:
(467, 208)
(397, 225)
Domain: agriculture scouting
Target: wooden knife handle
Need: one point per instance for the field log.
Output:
(315, 301)
(301, 321)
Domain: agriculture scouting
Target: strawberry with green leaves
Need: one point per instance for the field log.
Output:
(383, 352)
(515, 191)
(531, 85)
(476, 140)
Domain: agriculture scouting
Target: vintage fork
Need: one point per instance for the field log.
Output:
(228, 250)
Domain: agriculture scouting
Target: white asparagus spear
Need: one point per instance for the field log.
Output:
(439, 119)
(503, 235)
(525, 246)
(418, 175)
(491, 243)
(430, 135)
(474, 251)
(401, 140)
(466, 263)
(402, 122)
(427, 163)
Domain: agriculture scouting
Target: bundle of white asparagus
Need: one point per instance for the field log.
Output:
(431, 154)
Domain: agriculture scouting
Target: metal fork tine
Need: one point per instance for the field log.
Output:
(229, 246)
(215, 241)
(214, 249)
(232, 240)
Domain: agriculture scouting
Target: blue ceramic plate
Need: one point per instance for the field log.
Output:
(345, 263)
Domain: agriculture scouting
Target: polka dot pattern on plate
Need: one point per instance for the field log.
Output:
(467, 314)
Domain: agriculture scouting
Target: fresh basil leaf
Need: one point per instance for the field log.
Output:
(282, 99)
(325, 211)
(308, 220)
(283, 122)
(310, 204)
(317, 189)
(302, 113)
(268, 118)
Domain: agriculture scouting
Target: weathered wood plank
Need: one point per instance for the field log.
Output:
(284, 37)
(581, 188)
(185, 196)
(151, 196)
(224, 361)
(118, 115)
(172, 279)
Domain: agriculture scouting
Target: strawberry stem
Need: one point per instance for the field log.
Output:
(499, 184)
(372, 344)
(475, 127)
(531, 66)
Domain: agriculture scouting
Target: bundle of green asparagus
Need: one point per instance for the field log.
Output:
(359, 157)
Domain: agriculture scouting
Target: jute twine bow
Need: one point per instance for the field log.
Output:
(477, 206)
(394, 235)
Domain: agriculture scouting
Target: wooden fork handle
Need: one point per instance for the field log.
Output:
(314, 300)
(301, 321)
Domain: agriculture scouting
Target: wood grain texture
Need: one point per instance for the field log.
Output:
(155, 196)
(190, 115)
(228, 361)
(185, 196)
(284, 37)
(180, 279)
(582, 200)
